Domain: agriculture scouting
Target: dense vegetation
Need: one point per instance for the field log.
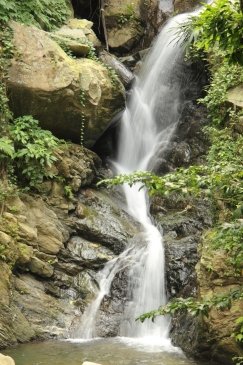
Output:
(26, 151)
(46, 14)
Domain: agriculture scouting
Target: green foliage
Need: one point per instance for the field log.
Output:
(82, 97)
(2, 252)
(29, 150)
(221, 178)
(238, 334)
(195, 307)
(34, 150)
(229, 237)
(47, 14)
(68, 192)
(220, 25)
(6, 148)
(238, 360)
(6, 51)
(128, 15)
(225, 77)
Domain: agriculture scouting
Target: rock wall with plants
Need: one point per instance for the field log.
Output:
(51, 71)
(57, 230)
(207, 308)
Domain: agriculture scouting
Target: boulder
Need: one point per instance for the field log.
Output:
(235, 96)
(41, 268)
(73, 30)
(104, 222)
(6, 360)
(133, 25)
(87, 253)
(124, 23)
(181, 6)
(61, 91)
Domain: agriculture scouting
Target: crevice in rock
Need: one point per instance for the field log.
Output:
(89, 10)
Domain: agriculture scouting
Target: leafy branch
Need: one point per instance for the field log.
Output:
(194, 307)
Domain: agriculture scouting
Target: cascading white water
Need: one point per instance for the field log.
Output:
(146, 130)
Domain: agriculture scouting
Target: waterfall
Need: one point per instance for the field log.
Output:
(147, 127)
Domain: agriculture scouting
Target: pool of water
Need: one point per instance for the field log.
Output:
(117, 351)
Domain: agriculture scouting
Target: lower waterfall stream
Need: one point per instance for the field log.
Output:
(147, 127)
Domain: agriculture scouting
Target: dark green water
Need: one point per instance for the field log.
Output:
(104, 351)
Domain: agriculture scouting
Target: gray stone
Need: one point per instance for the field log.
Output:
(41, 268)
(104, 221)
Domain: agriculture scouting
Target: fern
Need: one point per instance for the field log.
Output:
(6, 148)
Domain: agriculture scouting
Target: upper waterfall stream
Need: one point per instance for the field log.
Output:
(147, 127)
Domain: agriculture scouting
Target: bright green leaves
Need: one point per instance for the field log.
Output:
(6, 148)
(226, 76)
(34, 149)
(220, 25)
(238, 334)
(195, 307)
(220, 178)
(228, 237)
(46, 14)
(29, 149)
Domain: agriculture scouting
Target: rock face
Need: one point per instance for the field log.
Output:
(182, 6)
(60, 91)
(132, 24)
(217, 276)
(182, 223)
(51, 249)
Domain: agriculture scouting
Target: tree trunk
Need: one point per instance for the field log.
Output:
(102, 12)
(241, 5)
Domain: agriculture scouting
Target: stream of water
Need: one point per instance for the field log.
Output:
(104, 351)
(147, 126)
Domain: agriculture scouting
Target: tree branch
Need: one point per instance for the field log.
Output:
(102, 14)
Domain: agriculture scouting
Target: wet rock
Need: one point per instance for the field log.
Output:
(112, 308)
(181, 258)
(104, 222)
(132, 25)
(39, 307)
(182, 229)
(86, 285)
(86, 253)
